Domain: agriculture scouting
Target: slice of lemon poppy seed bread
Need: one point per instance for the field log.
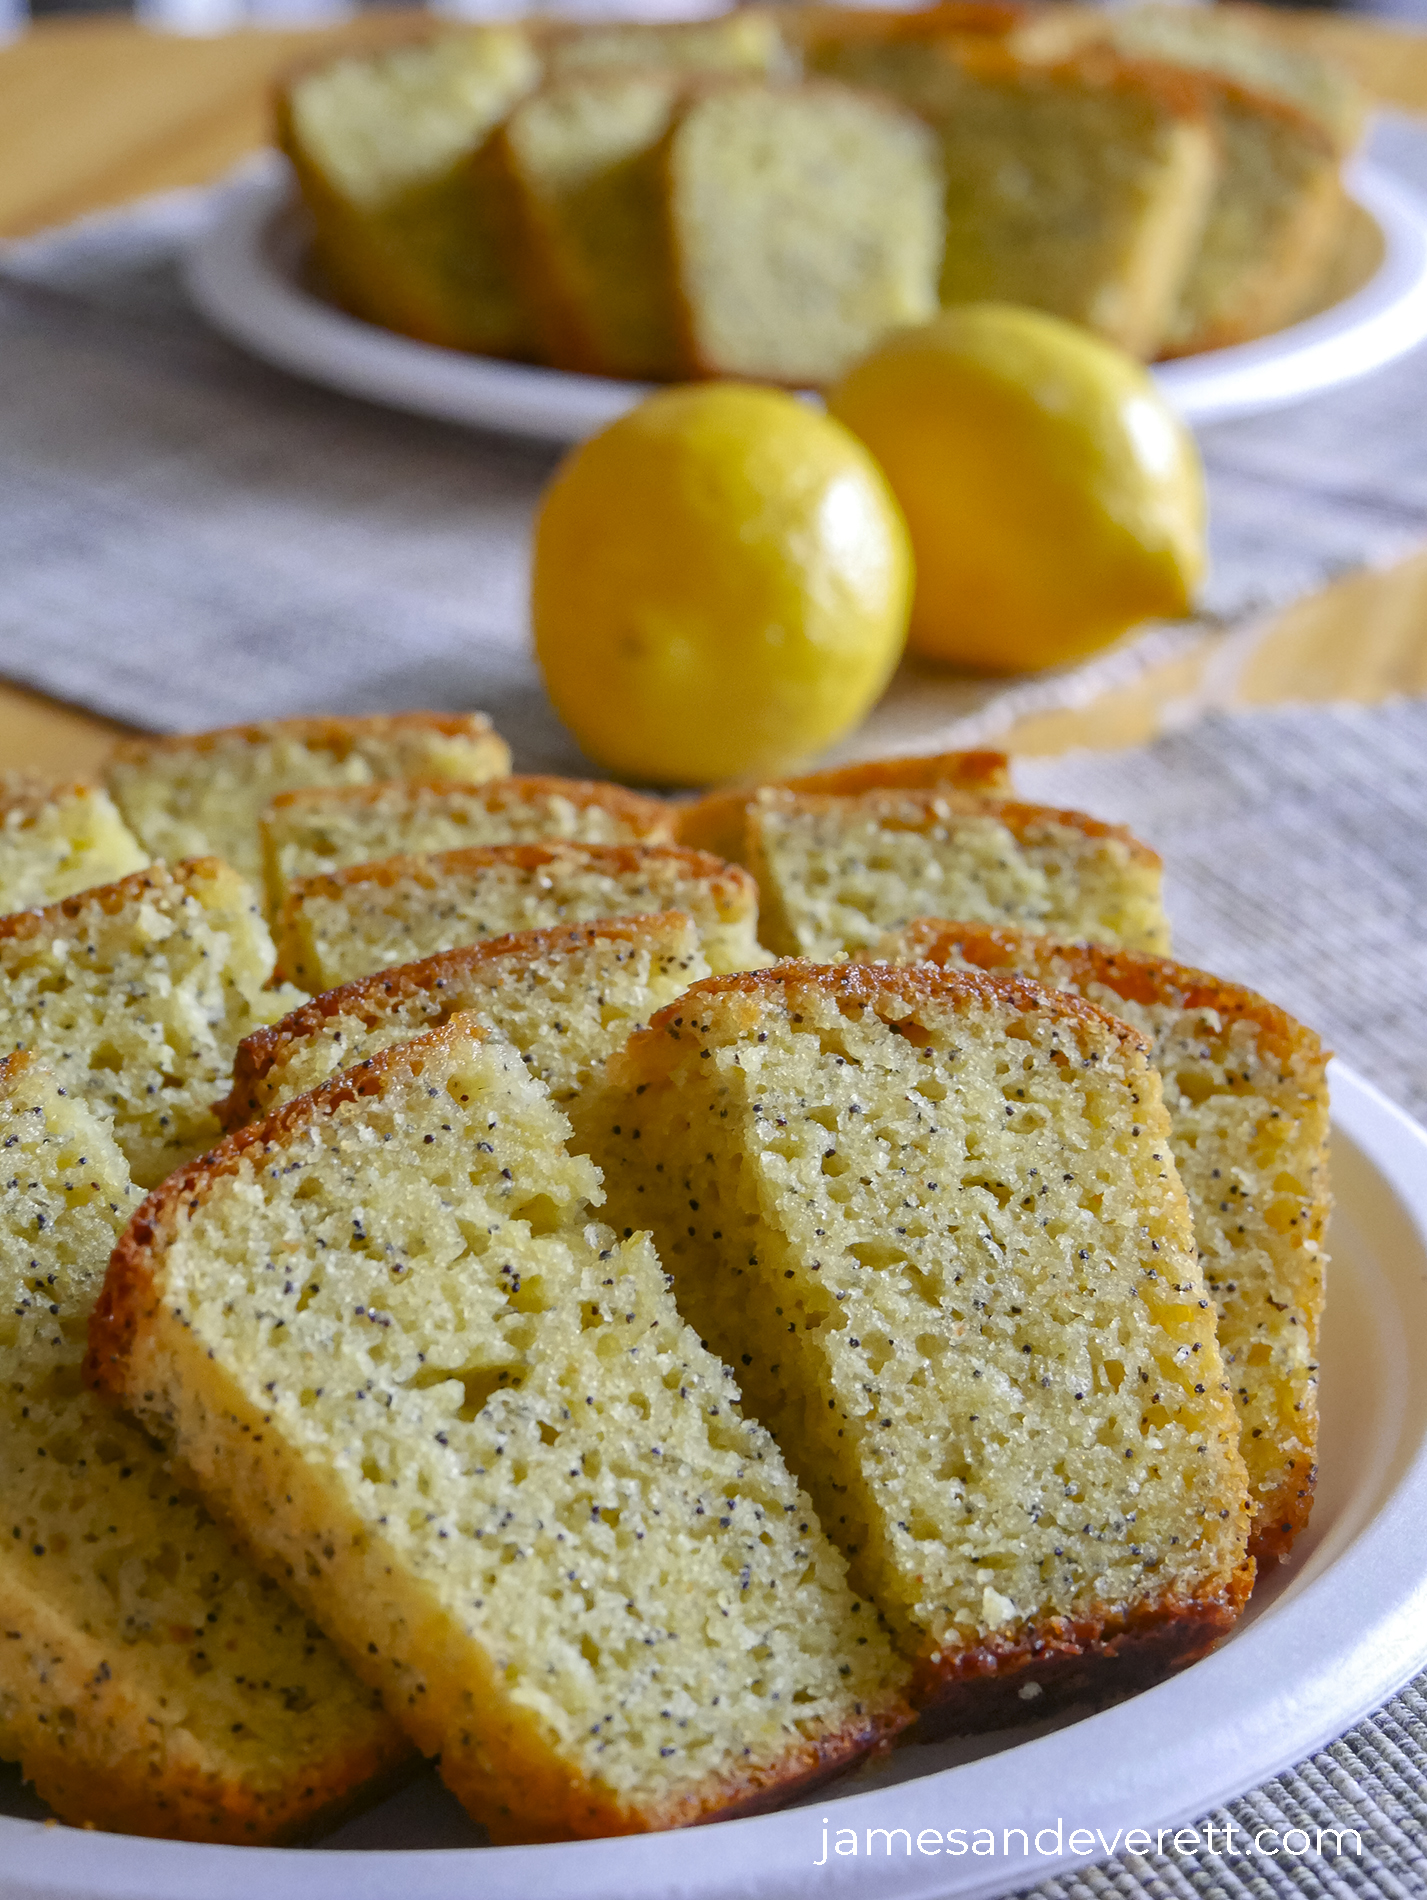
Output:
(564, 998)
(835, 872)
(719, 821)
(351, 922)
(473, 1435)
(59, 839)
(203, 792)
(151, 1680)
(306, 833)
(1247, 1097)
(137, 994)
(932, 1220)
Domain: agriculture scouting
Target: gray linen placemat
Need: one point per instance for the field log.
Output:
(190, 538)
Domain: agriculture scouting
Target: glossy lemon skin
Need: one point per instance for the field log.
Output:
(721, 586)
(1054, 498)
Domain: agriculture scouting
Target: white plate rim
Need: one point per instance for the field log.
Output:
(1319, 1659)
(246, 293)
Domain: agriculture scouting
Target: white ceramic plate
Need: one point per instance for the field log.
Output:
(1330, 1636)
(245, 274)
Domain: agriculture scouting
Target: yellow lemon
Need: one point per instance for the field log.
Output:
(721, 585)
(1054, 498)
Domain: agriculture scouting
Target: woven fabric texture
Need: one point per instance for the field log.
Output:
(191, 538)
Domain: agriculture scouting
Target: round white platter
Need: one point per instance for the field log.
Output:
(245, 273)
(1327, 1638)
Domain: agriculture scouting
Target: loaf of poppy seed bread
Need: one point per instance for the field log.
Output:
(137, 994)
(564, 998)
(203, 793)
(933, 1222)
(471, 1433)
(834, 873)
(59, 839)
(1247, 1097)
(583, 154)
(152, 1681)
(1078, 185)
(370, 916)
(327, 829)
(409, 229)
(718, 821)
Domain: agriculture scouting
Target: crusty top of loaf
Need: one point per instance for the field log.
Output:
(112, 898)
(1136, 976)
(1178, 91)
(717, 819)
(372, 998)
(870, 985)
(917, 807)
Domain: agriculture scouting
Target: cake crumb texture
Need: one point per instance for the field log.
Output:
(564, 998)
(326, 829)
(1247, 1096)
(59, 839)
(370, 916)
(153, 1681)
(933, 1222)
(137, 994)
(835, 872)
(201, 794)
(471, 1431)
(718, 821)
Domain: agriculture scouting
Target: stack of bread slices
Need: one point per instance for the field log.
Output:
(680, 1298)
(767, 193)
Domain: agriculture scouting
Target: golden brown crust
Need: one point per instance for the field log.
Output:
(716, 822)
(1178, 89)
(371, 999)
(731, 886)
(814, 26)
(325, 734)
(110, 898)
(1104, 1655)
(1132, 974)
(865, 985)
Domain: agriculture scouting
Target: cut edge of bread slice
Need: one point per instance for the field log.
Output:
(414, 816)
(56, 840)
(727, 918)
(158, 1345)
(1111, 890)
(717, 822)
(1279, 1309)
(807, 222)
(138, 993)
(136, 1642)
(648, 1128)
(189, 795)
(397, 1003)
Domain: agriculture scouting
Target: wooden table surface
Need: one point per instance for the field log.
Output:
(94, 112)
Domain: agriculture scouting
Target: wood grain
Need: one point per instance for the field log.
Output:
(94, 112)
